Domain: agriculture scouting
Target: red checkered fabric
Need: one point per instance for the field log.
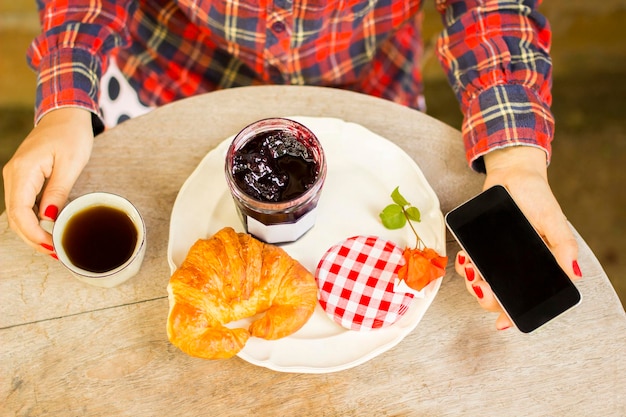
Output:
(356, 282)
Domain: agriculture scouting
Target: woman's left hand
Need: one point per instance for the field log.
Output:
(522, 170)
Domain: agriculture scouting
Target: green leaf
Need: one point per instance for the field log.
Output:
(393, 217)
(398, 198)
(413, 213)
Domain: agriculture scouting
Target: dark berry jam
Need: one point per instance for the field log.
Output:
(275, 169)
(274, 166)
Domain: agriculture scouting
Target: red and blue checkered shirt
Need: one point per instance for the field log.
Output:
(495, 54)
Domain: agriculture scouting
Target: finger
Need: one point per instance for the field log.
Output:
(503, 322)
(479, 289)
(67, 169)
(26, 225)
(54, 196)
(559, 237)
(460, 262)
(21, 189)
(464, 267)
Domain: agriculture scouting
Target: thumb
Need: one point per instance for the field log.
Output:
(53, 199)
(69, 157)
(59, 185)
(563, 245)
(558, 235)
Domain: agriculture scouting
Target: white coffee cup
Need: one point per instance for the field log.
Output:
(93, 238)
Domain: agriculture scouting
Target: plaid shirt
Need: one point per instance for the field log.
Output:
(495, 54)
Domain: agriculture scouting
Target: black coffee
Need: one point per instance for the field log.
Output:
(99, 239)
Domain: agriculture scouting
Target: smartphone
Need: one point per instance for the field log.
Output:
(513, 259)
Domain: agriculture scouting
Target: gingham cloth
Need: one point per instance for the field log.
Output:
(356, 282)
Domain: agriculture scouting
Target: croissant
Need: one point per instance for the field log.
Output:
(232, 276)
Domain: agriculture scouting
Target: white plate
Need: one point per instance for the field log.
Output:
(363, 170)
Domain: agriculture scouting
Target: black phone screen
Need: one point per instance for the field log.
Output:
(512, 257)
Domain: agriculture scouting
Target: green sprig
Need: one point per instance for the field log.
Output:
(401, 212)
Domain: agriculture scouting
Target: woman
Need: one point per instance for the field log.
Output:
(495, 53)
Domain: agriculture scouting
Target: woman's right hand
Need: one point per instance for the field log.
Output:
(46, 164)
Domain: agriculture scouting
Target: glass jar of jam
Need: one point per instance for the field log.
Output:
(275, 169)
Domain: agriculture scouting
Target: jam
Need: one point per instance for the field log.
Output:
(275, 169)
(274, 166)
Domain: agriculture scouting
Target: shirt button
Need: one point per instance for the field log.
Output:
(278, 27)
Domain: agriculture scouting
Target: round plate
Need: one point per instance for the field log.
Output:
(363, 170)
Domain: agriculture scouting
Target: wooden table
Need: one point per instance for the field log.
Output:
(67, 348)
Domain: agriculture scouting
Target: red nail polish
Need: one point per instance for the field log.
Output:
(54, 255)
(478, 291)
(47, 247)
(576, 269)
(504, 328)
(461, 259)
(469, 274)
(52, 212)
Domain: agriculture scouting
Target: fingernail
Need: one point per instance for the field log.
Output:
(47, 247)
(478, 291)
(51, 212)
(461, 259)
(54, 255)
(504, 328)
(576, 269)
(469, 274)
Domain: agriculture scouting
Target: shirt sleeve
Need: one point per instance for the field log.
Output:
(69, 56)
(496, 57)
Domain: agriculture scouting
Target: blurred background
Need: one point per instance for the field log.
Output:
(589, 55)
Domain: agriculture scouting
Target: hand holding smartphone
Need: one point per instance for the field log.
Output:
(513, 259)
